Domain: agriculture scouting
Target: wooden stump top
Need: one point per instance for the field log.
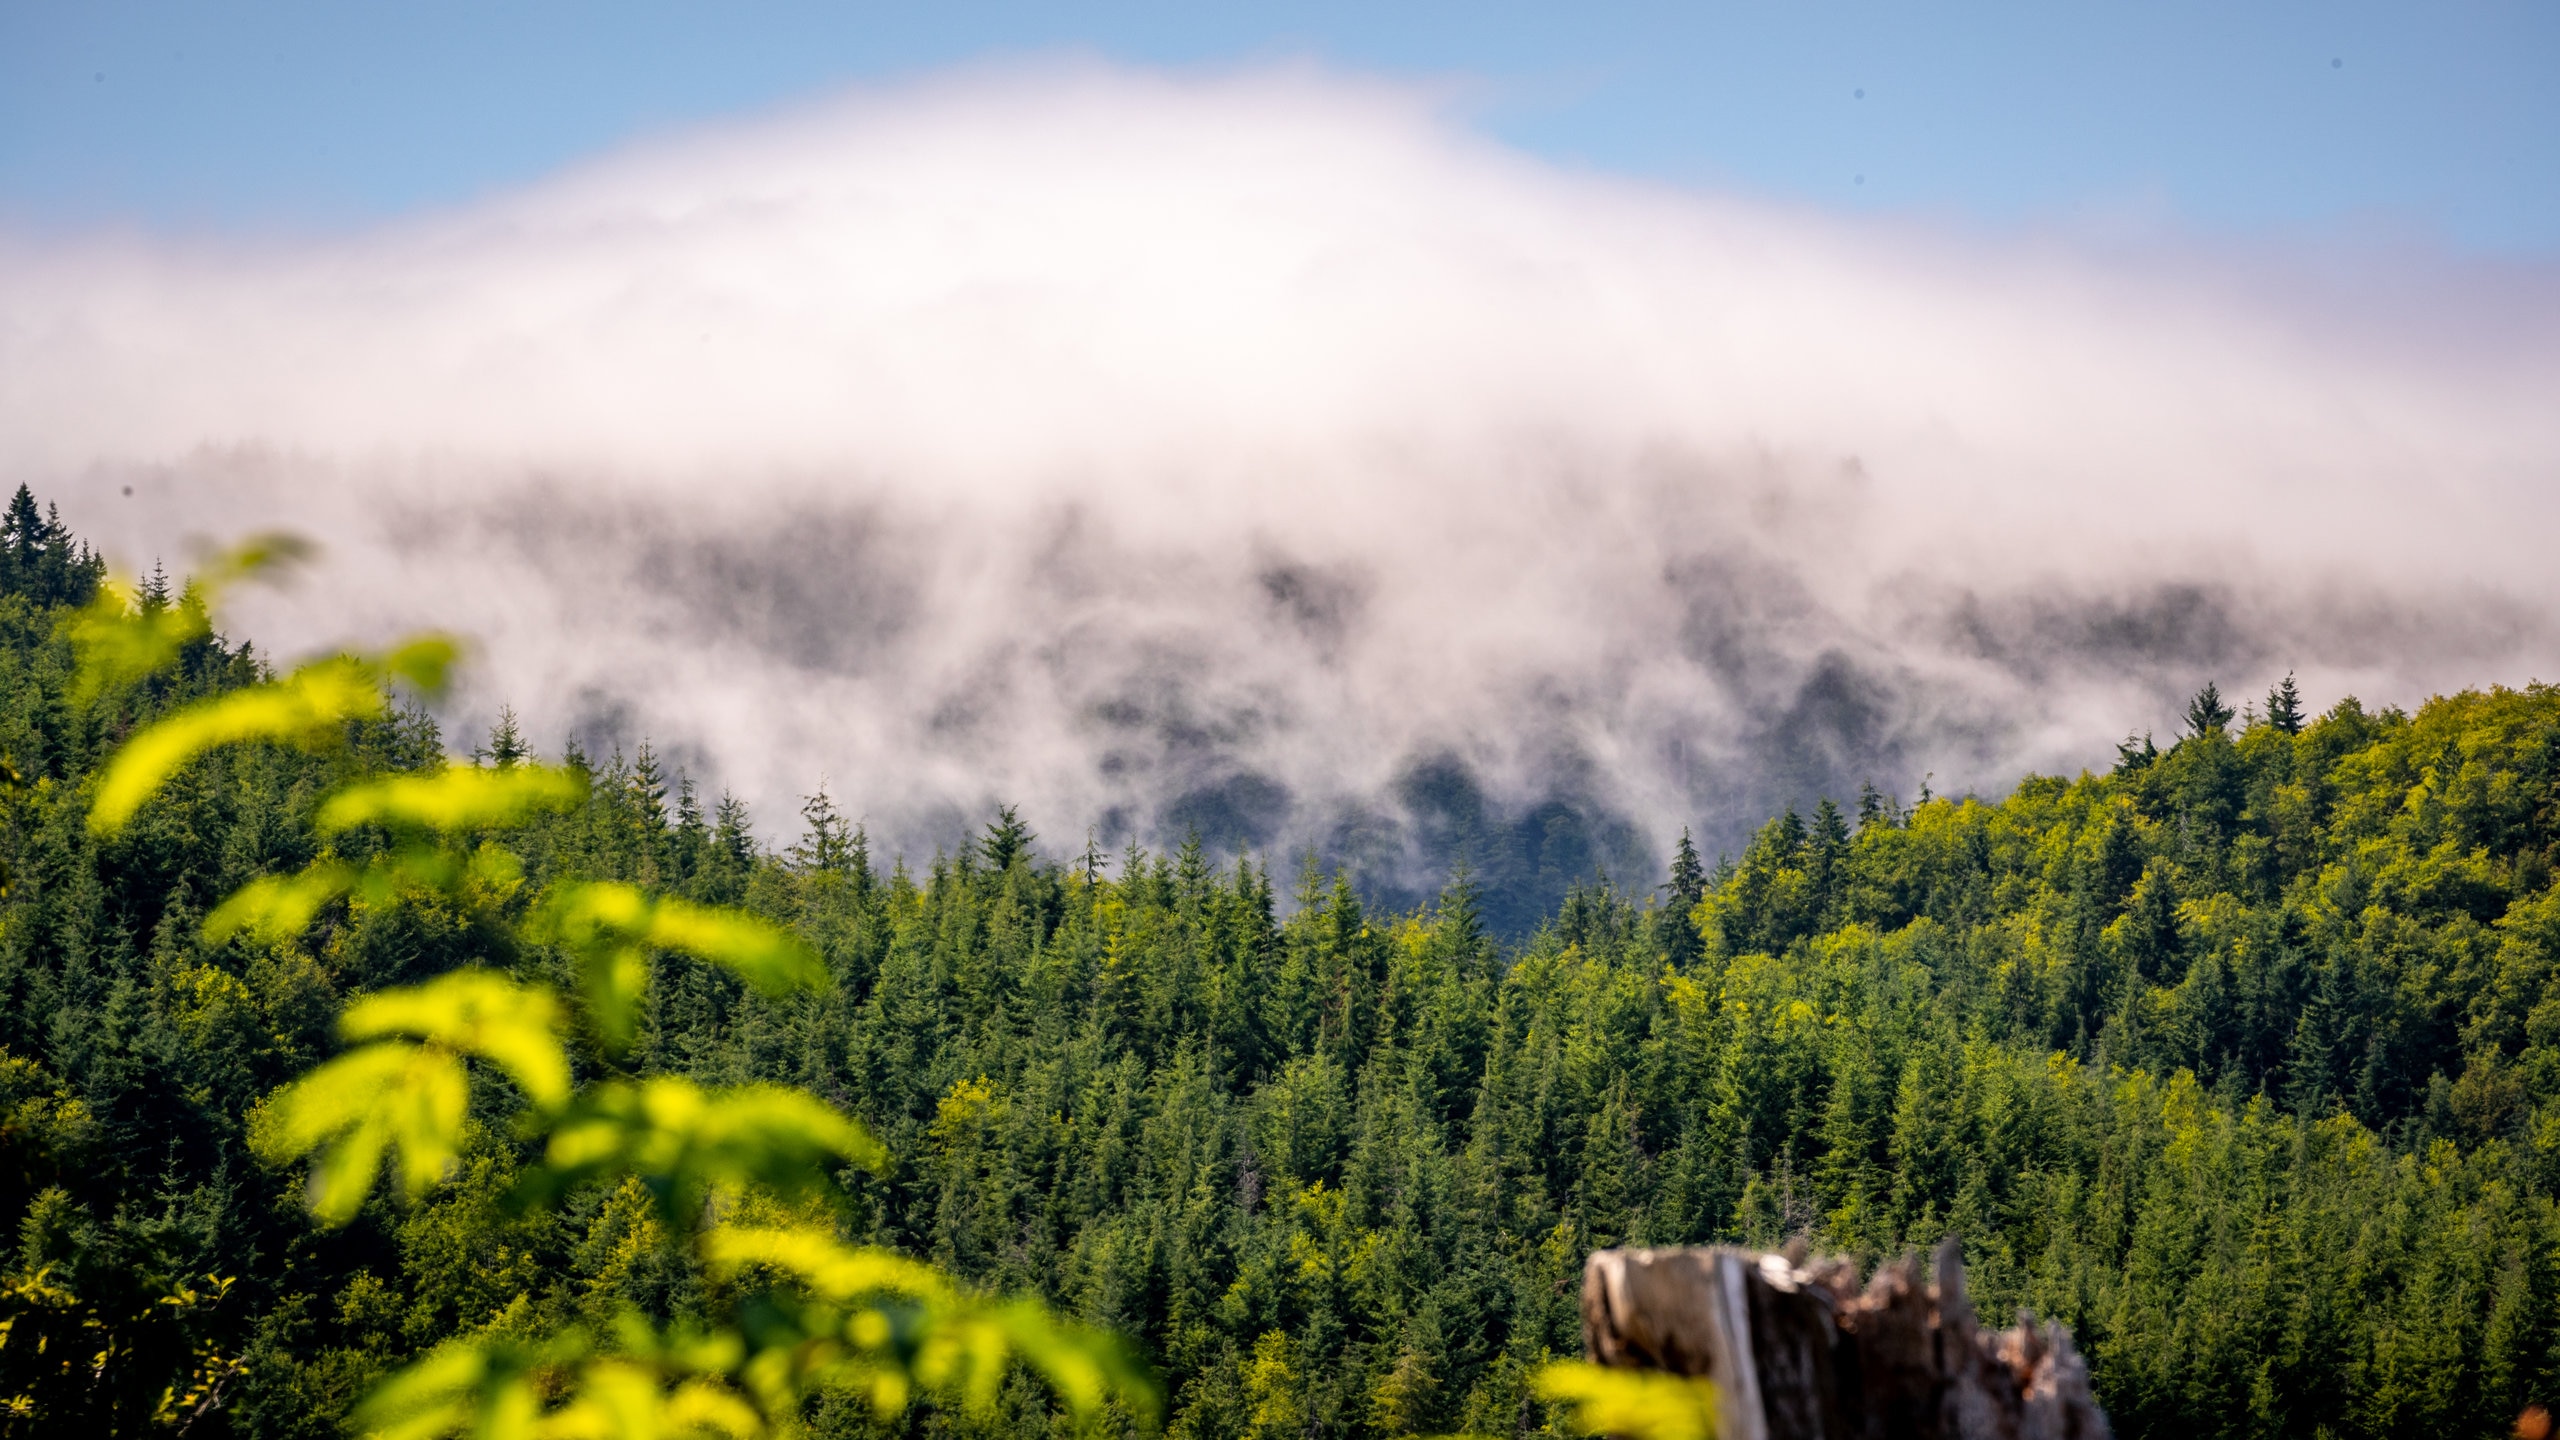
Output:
(1799, 1351)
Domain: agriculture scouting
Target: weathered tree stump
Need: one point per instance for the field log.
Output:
(1799, 1352)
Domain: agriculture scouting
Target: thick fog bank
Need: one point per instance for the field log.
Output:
(1265, 457)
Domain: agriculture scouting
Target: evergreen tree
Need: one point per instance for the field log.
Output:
(2284, 706)
(1008, 839)
(1873, 808)
(648, 782)
(2133, 757)
(1460, 918)
(692, 837)
(1675, 929)
(2206, 714)
(25, 535)
(733, 834)
(825, 847)
(1688, 877)
(1830, 835)
(857, 861)
(505, 748)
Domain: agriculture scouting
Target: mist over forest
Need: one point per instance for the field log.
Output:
(1262, 456)
(1072, 750)
(2241, 1059)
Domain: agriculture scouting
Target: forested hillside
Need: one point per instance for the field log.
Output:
(2243, 1059)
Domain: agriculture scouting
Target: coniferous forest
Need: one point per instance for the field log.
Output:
(2243, 1059)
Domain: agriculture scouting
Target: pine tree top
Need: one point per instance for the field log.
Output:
(2206, 713)
(2284, 706)
(1008, 839)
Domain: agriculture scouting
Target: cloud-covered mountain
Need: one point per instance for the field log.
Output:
(1264, 455)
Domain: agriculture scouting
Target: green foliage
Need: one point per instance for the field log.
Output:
(406, 1094)
(2284, 707)
(409, 1094)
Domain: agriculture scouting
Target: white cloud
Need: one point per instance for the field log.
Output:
(1160, 451)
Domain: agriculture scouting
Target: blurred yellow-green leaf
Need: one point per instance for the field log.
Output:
(684, 1141)
(822, 1264)
(395, 1096)
(624, 1399)
(117, 640)
(488, 1387)
(765, 956)
(458, 797)
(119, 637)
(955, 1342)
(1087, 1367)
(499, 1387)
(1635, 1404)
(310, 706)
(611, 927)
(608, 913)
(275, 908)
(477, 1013)
(261, 554)
(407, 1093)
(426, 662)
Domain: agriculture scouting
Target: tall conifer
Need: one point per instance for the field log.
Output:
(2206, 713)
(2284, 706)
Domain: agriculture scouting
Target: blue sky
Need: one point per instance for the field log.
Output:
(2438, 123)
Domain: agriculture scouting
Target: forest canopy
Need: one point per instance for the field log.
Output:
(2241, 1058)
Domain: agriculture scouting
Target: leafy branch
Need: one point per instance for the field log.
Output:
(803, 1312)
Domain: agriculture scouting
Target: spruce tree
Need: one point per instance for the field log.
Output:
(2133, 756)
(692, 834)
(733, 837)
(1673, 929)
(1688, 877)
(857, 861)
(1790, 835)
(648, 784)
(825, 849)
(2206, 713)
(506, 747)
(2284, 706)
(1007, 838)
(1829, 856)
(1830, 829)
(1461, 909)
(23, 533)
